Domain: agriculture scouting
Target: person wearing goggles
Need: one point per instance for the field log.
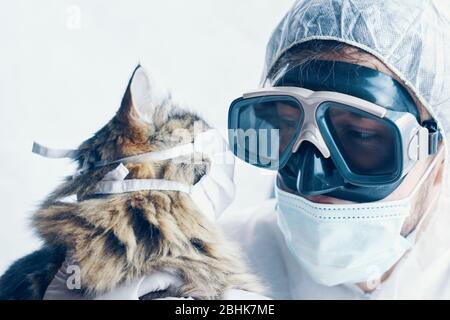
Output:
(352, 116)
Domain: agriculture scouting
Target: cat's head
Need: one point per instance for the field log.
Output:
(143, 123)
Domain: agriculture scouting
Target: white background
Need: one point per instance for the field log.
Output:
(64, 66)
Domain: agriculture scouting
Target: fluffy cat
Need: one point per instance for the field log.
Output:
(117, 238)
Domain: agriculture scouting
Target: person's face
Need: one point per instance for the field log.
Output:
(369, 152)
(367, 149)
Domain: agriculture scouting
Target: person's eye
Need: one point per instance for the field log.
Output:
(289, 122)
(362, 134)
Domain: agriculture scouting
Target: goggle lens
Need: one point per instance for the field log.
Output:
(366, 143)
(264, 128)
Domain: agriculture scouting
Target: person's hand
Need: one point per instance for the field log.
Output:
(62, 286)
(154, 282)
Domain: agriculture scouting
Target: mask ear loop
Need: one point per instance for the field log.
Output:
(423, 178)
(413, 234)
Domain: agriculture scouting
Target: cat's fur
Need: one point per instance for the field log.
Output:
(116, 238)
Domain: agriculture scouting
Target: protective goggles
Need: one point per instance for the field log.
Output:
(372, 140)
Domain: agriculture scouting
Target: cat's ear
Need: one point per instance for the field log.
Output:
(138, 103)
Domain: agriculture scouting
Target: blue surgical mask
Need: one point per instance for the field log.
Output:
(345, 243)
